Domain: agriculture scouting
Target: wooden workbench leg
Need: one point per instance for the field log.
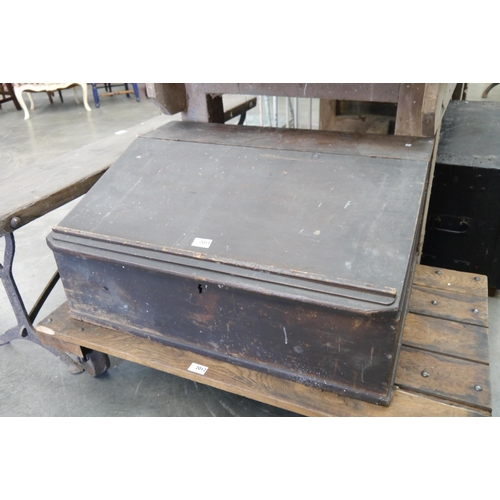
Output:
(327, 114)
(409, 112)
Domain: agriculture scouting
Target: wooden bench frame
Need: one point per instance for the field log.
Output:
(420, 106)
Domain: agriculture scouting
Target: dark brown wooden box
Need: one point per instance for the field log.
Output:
(287, 252)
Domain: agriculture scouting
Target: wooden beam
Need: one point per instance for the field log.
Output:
(436, 99)
(409, 112)
(215, 108)
(240, 109)
(421, 107)
(378, 92)
(327, 114)
(171, 98)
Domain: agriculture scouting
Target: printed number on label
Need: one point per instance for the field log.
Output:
(201, 242)
(199, 369)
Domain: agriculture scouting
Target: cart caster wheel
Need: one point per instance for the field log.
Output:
(95, 363)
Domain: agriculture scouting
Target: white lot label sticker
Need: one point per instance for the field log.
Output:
(199, 369)
(201, 242)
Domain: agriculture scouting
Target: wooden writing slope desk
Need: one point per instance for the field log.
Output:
(443, 364)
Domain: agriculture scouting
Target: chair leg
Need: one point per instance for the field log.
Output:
(96, 95)
(126, 88)
(85, 96)
(19, 96)
(10, 88)
(486, 91)
(136, 92)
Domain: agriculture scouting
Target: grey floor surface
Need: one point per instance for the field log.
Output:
(32, 381)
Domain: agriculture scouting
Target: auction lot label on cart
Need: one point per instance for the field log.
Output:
(199, 369)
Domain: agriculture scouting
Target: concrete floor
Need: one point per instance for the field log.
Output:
(32, 381)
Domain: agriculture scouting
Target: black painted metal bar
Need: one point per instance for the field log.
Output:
(24, 328)
(43, 297)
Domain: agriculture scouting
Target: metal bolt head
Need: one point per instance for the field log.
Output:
(478, 388)
(425, 374)
(434, 302)
(49, 320)
(475, 311)
(438, 272)
(477, 278)
(15, 222)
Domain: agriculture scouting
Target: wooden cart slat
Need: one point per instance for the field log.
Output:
(446, 279)
(452, 338)
(449, 305)
(443, 376)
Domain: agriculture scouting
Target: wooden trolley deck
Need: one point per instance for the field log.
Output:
(443, 367)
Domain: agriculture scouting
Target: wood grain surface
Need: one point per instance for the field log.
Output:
(314, 141)
(442, 336)
(449, 305)
(455, 281)
(453, 379)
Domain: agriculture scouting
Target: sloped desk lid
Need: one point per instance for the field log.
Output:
(337, 225)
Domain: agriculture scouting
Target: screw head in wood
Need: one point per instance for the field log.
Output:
(477, 278)
(434, 302)
(15, 222)
(438, 272)
(475, 311)
(425, 374)
(478, 388)
(49, 320)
